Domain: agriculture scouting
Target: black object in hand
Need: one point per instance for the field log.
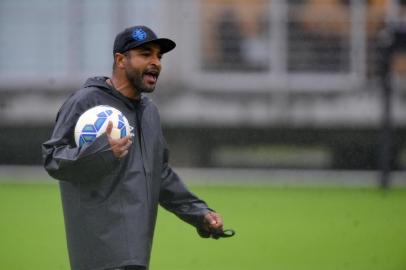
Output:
(216, 234)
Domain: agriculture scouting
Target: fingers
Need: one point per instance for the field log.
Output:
(214, 221)
(213, 224)
(123, 154)
(123, 142)
(210, 219)
(118, 146)
(109, 128)
(121, 146)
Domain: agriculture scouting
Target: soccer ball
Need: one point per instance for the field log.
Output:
(93, 123)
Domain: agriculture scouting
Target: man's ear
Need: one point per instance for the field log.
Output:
(120, 59)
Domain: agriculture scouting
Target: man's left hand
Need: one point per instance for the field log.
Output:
(213, 227)
(213, 222)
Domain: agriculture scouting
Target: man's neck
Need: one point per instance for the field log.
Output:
(124, 88)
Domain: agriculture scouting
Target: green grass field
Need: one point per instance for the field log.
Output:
(277, 228)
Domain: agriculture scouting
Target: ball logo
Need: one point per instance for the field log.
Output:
(139, 34)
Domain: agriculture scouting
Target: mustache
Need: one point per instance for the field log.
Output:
(152, 71)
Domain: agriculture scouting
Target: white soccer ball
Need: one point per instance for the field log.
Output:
(93, 123)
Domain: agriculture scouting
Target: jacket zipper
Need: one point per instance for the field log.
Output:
(142, 149)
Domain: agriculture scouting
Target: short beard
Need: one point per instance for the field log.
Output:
(135, 79)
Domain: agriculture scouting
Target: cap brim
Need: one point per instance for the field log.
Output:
(166, 44)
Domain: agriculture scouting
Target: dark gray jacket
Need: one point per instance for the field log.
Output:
(110, 205)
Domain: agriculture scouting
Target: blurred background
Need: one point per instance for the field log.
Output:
(259, 98)
(251, 84)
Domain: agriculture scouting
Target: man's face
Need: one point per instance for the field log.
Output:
(142, 67)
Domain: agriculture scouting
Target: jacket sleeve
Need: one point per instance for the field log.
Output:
(64, 161)
(176, 198)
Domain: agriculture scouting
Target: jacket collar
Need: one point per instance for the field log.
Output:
(100, 82)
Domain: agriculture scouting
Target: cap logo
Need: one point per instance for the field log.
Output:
(139, 34)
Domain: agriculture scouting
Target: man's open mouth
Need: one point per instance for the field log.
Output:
(151, 76)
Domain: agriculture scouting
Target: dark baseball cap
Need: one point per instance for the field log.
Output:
(136, 36)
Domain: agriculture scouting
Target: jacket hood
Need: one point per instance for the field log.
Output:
(99, 82)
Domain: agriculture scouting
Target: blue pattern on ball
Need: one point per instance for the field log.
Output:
(86, 138)
(123, 133)
(99, 123)
(102, 114)
(89, 128)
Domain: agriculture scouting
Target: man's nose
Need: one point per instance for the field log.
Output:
(156, 61)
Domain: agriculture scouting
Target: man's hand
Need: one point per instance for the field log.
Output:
(118, 146)
(213, 222)
(213, 227)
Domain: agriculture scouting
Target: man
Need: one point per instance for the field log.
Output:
(111, 188)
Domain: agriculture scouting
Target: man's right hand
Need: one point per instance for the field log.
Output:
(118, 146)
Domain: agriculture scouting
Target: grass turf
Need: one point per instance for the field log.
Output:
(277, 228)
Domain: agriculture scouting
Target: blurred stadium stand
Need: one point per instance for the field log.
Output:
(260, 83)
